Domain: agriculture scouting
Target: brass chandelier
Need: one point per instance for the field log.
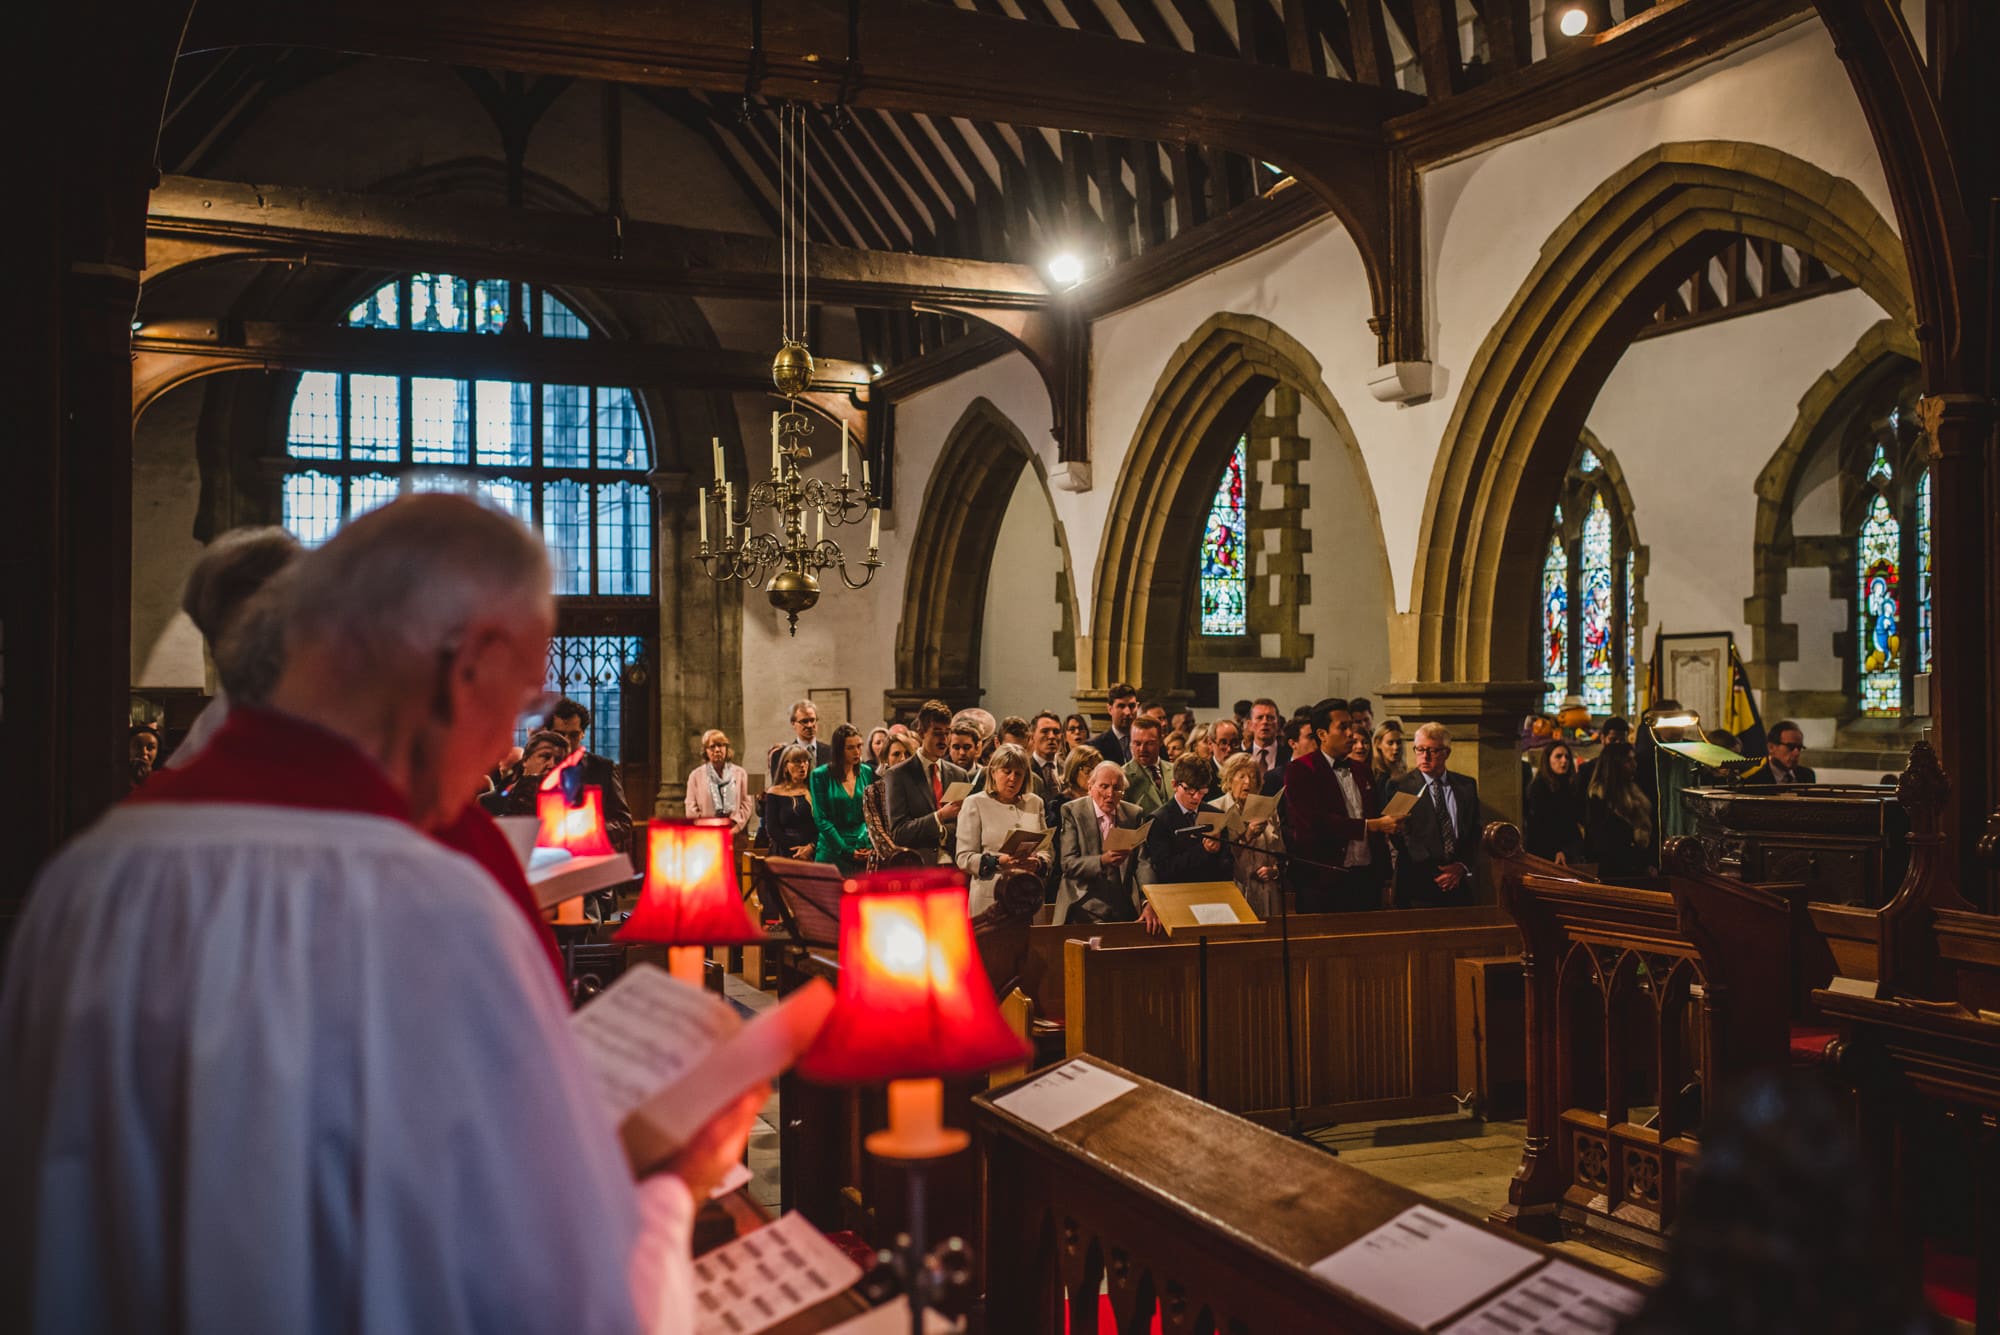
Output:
(783, 559)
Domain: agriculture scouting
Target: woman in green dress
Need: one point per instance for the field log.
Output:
(836, 789)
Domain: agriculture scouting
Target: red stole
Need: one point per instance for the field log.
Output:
(265, 758)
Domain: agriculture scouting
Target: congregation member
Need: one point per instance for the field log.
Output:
(1300, 741)
(1146, 781)
(1263, 742)
(1174, 858)
(962, 745)
(1385, 758)
(1784, 747)
(539, 755)
(571, 719)
(920, 818)
(142, 751)
(1199, 742)
(789, 829)
(1045, 757)
(1554, 825)
(1098, 886)
(1250, 852)
(1438, 849)
(1173, 746)
(1224, 740)
(1014, 731)
(1331, 812)
(1114, 743)
(223, 583)
(988, 818)
(1361, 715)
(306, 1069)
(1076, 732)
(877, 747)
(1618, 816)
(720, 787)
(805, 732)
(836, 788)
(1077, 769)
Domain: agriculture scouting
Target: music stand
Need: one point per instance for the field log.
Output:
(1201, 909)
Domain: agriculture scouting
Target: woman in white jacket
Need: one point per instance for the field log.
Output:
(989, 817)
(720, 787)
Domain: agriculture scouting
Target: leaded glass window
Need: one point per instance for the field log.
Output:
(568, 460)
(1555, 619)
(1225, 552)
(1924, 572)
(592, 670)
(1879, 622)
(1597, 641)
(1631, 635)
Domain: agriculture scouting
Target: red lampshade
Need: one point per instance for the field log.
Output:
(690, 896)
(579, 828)
(914, 999)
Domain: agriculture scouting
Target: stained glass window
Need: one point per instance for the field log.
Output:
(570, 452)
(1924, 572)
(1631, 636)
(1596, 609)
(1879, 619)
(1587, 462)
(1224, 554)
(1555, 619)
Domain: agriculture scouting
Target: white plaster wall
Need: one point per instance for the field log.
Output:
(1819, 616)
(1486, 221)
(166, 488)
(1017, 661)
(1693, 417)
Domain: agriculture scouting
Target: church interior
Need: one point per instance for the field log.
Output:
(1561, 432)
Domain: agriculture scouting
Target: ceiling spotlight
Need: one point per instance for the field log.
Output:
(1573, 21)
(1066, 269)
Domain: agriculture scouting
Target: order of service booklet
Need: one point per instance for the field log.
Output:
(667, 1057)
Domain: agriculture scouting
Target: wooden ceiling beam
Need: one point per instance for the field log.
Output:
(1437, 46)
(1368, 33)
(1303, 51)
(193, 221)
(1071, 79)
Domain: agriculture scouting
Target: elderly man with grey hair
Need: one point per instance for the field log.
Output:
(277, 1058)
(1099, 886)
(1438, 846)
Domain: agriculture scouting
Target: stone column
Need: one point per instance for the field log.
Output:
(1485, 722)
(701, 646)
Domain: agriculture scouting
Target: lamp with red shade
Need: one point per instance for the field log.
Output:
(914, 1006)
(689, 901)
(571, 815)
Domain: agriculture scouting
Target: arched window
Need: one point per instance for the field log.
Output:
(1589, 600)
(1878, 601)
(1924, 572)
(1224, 552)
(569, 460)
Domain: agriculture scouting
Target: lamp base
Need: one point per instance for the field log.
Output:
(916, 1127)
(688, 963)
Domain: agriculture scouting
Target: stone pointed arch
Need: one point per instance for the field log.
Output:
(1146, 568)
(1543, 363)
(951, 556)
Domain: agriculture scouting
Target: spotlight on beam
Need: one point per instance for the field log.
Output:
(1573, 21)
(1065, 269)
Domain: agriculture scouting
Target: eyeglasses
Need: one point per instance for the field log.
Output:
(1789, 746)
(1432, 750)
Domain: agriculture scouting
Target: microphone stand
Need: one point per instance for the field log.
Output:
(1284, 860)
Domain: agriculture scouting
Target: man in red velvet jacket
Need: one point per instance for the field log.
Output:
(1330, 810)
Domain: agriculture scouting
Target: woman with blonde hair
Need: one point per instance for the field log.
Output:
(1256, 870)
(986, 821)
(720, 787)
(1076, 771)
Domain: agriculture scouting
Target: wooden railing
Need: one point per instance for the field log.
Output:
(1373, 1007)
(1175, 1208)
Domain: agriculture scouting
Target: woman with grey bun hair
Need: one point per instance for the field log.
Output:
(234, 596)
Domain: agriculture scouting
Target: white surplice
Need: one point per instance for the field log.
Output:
(280, 1070)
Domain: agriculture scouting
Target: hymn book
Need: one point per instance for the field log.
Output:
(557, 875)
(1401, 804)
(957, 792)
(1026, 843)
(1120, 839)
(666, 1057)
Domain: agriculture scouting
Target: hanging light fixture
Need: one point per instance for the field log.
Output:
(785, 560)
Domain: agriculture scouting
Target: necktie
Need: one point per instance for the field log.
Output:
(1446, 835)
(937, 784)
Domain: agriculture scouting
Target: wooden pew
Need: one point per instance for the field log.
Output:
(1373, 994)
(1642, 1000)
(1185, 1212)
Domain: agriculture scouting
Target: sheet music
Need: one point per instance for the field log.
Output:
(1423, 1265)
(758, 1280)
(1119, 839)
(1401, 804)
(642, 1032)
(1055, 1099)
(1560, 1299)
(1213, 915)
(957, 792)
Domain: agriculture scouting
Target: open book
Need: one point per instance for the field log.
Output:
(667, 1057)
(958, 792)
(1117, 840)
(1026, 843)
(556, 874)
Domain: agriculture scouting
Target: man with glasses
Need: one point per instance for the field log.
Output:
(1784, 747)
(1439, 845)
(1174, 858)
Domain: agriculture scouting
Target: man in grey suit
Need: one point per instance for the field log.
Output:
(1098, 886)
(919, 816)
(1145, 780)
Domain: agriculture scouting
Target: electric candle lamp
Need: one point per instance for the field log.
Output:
(843, 451)
(579, 829)
(689, 901)
(774, 445)
(914, 1005)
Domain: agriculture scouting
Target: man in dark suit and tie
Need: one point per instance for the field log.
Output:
(1174, 858)
(1115, 742)
(1784, 746)
(805, 732)
(1146, 780)
(1045, 759)
(1330, 810)
(571, 719)
(1439, 845)
(1098, 886)
(1299, 741)
(1262, 740)
(919, 816)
